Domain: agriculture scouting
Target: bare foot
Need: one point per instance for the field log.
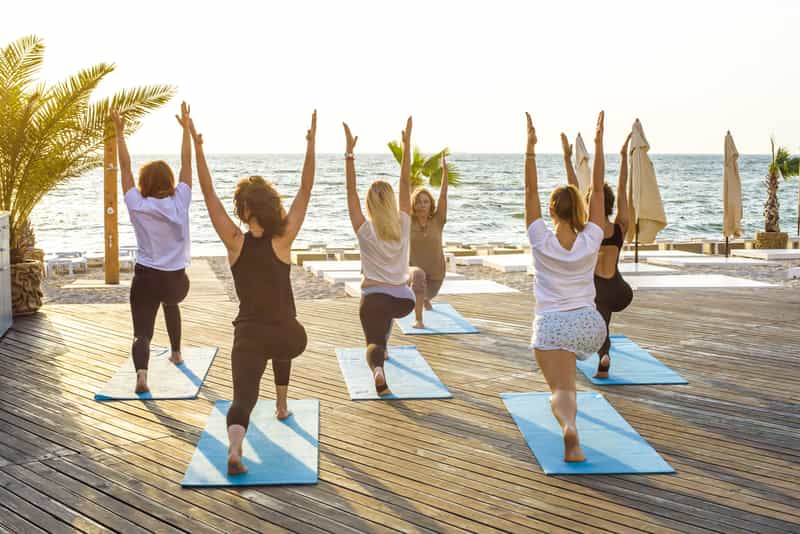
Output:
(235, 465)
(380, 382)
(282, 413)
(419, 325)
(428, 305)
(176, 358)
(141, 382)
(572, 448)
(603, 367)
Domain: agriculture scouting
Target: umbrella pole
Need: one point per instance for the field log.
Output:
(727, 247)
(636, 245)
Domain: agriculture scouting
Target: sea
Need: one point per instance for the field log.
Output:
(486, 207)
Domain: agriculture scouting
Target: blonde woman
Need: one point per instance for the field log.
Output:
(384, 239)
(427, 257)
(566, 323)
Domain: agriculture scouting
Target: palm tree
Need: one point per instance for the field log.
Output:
(789, 166)
(772, 207)
(51, 134)
(430, 167)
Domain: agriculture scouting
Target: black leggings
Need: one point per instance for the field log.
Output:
(150, 289)
(377, 312)
(612, 295)
(254, 344)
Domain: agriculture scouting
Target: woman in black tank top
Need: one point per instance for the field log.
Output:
(613, 294)
(266, 327)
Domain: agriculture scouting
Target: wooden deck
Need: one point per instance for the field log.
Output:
(68, 462)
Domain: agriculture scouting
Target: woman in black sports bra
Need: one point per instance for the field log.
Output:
(613, 294)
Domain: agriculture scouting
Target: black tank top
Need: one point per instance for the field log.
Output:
(616, 238)
(263, 283)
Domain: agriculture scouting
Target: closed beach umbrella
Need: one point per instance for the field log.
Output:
(582, 165)
(731, 191)
(647, 210)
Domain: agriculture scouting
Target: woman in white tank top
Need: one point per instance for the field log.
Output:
(384, 242)
(566, 325)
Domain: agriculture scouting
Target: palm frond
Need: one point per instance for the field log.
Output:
(396, 150)
(19, 62)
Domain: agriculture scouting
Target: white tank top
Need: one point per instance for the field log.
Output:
(385, 261)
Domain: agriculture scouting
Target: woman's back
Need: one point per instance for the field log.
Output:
(385, 261)
(161, 226)
(564, 278)
(263, 283)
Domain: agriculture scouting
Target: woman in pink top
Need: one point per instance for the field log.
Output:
(567, 324)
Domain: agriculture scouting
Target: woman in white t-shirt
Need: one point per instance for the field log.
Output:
(567, 324)
(159, 212)
(384, 242)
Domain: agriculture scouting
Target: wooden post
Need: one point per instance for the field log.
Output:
(111, 230)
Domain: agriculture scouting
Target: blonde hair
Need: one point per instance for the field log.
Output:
(382, 210)
(568, 205)
(422, 191)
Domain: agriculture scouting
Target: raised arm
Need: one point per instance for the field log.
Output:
(405, 170)
(533, 209)
(623, 214)
(226, 229)
(441, 211)
(297, 213)
(185, 174)
(353, 202)
(122, 152)
(596, 202)
(566, 148)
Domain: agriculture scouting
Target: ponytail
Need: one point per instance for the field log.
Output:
(569, 206)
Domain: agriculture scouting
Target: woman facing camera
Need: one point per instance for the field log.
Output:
(613, 292)
(566, 324)
(159, 212)
(427, 257)
(384, 242)
(260, 259)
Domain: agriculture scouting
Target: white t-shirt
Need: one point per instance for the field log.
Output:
(385, 261)
(564, 278)
(161, 226)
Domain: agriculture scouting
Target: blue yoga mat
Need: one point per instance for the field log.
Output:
(408, 374)
(442, 319)
(274, 452)
(611, 445)
(166, 380)
(630, 364)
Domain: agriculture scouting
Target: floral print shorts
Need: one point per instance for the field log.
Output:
(580, 331)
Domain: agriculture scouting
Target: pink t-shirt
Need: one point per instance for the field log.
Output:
(564, 278)
(161, 226)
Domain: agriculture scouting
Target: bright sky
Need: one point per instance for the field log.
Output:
(253, 71)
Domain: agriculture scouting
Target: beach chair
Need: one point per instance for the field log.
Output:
(70, 261)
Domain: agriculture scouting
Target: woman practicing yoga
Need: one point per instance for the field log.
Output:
(613, 292)
(566, 324)
(260, 259)
(427, 257)
(384, 242)
(159, 212)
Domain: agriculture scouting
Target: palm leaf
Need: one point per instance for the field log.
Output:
(397, 150)
(20, 61)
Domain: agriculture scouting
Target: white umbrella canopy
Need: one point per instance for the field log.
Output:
(645, 199)
(731, 191)
(582, 169)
